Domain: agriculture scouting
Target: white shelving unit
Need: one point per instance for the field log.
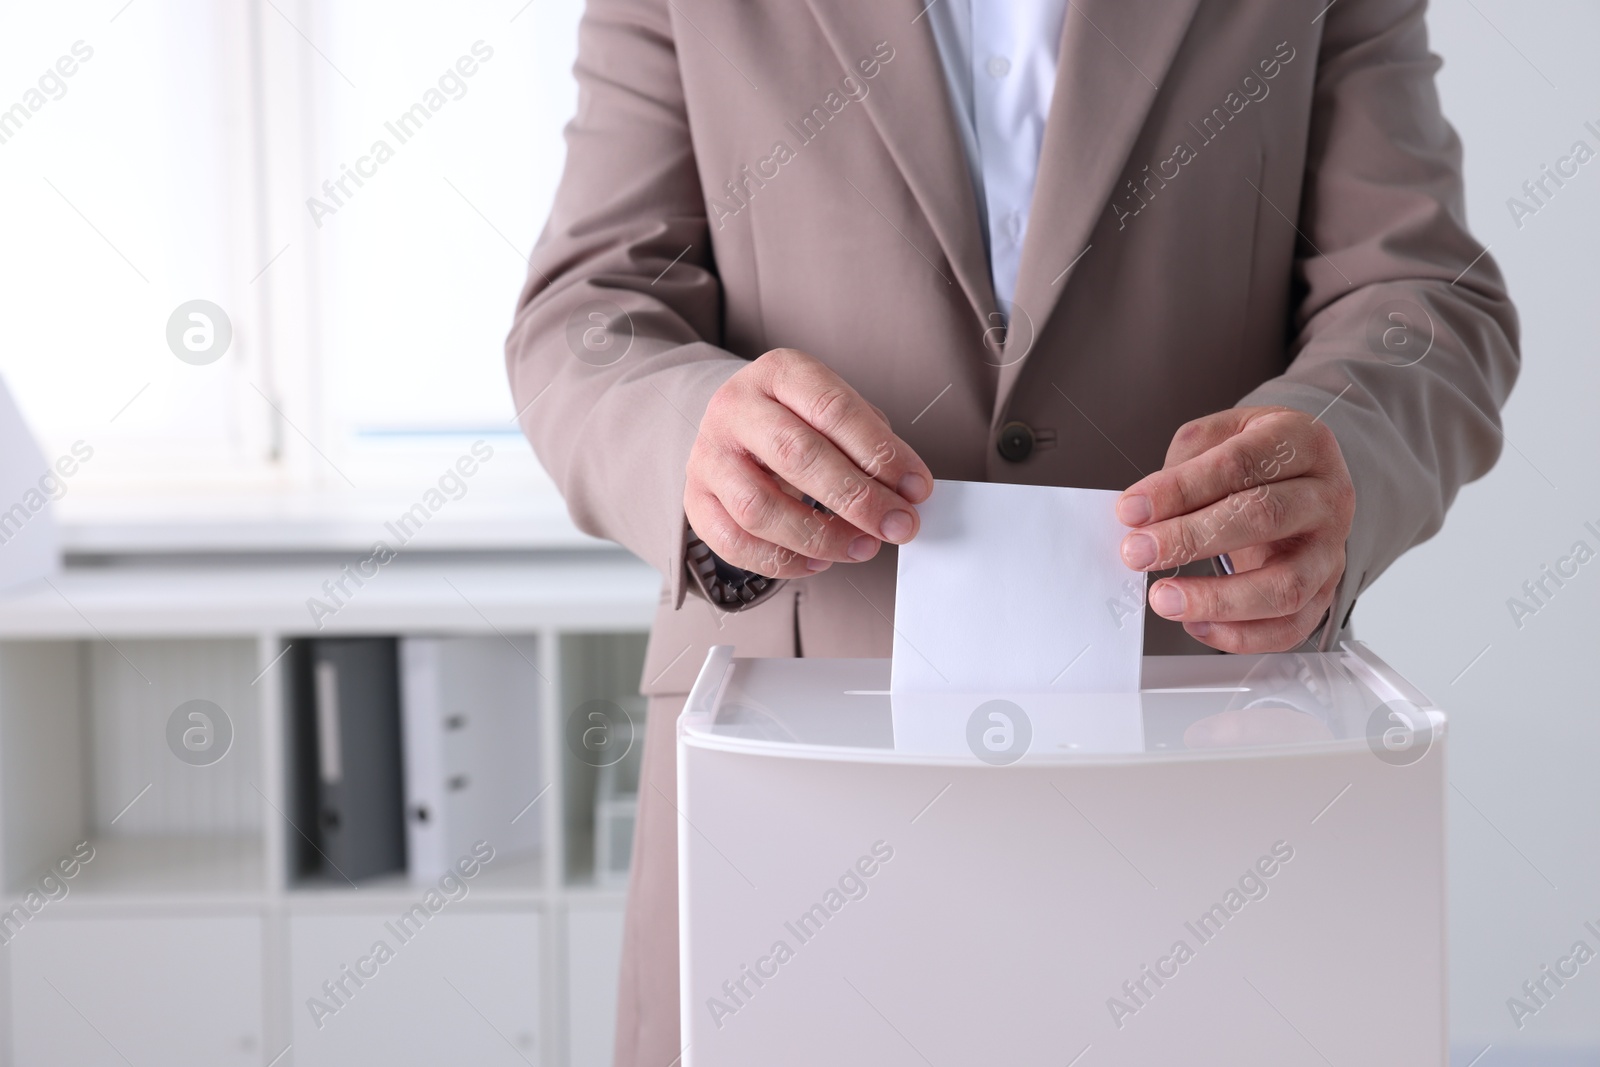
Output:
(187, 938)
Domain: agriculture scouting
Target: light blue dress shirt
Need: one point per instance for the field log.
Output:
(999, 60)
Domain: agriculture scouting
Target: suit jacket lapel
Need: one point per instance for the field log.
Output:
(1114, 55)
(909, 103)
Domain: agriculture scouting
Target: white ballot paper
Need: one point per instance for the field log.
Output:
(1017, 588)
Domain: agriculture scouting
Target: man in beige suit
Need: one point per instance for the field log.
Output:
(763, 316)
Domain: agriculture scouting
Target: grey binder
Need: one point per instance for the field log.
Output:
(355, 693)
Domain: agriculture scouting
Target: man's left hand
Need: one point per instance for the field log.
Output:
(1269, 487)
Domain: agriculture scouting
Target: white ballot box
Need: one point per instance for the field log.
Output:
(1243, 863)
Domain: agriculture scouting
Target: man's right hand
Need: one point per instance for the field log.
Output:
(783, 427)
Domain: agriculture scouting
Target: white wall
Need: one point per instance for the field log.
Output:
(1519, 82)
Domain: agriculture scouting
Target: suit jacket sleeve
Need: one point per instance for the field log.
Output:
(613, 353)
(1385, 269)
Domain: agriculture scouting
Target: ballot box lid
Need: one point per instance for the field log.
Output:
(1189, 707)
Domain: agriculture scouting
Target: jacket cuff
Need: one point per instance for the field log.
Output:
(1337, 619)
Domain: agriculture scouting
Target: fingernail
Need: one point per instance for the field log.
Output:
(815, 565)
(897, 526)
(1167, 601)
(1197, 629)
(914, 487)
(1139, 550)
(862, 548)
(1134, 510)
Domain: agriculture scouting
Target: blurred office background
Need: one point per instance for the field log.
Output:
(1525, 872)
(175, 163)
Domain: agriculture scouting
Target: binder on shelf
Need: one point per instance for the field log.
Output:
(356, 730)
(471, 740)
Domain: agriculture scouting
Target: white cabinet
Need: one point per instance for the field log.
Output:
(594, 957)
(113, 991)
(454, 988)
(191, 938)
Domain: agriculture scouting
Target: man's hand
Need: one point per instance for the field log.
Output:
(1269, 487)
(784, 427)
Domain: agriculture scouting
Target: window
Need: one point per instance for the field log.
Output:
(355, 185)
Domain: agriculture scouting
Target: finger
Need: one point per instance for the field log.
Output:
(1264, 514)
(1270, 447)
(1288, 584)
(713, 525)
(761, 507)
(796, 452)
(1204, 434)
(1265, 635)
(828, 404)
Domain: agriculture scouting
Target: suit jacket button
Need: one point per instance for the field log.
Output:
(1016, 441)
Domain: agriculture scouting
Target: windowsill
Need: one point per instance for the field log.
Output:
(278, 521)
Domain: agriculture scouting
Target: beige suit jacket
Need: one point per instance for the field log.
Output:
(1239, 202)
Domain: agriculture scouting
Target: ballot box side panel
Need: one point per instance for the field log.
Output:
(1240, 911)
